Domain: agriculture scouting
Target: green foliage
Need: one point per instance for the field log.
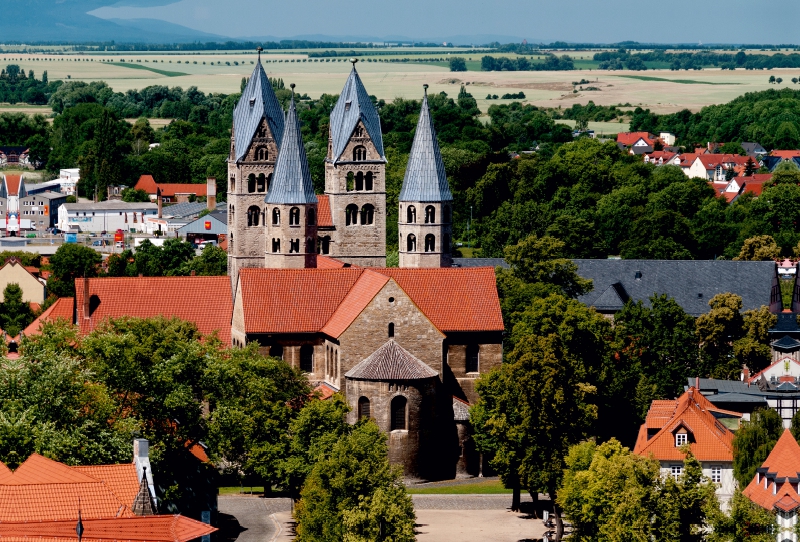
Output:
(759, 248)
(753, 442)
(15, 314)
(71, 261)
(133, 195)
(26, 258)
(354, 495)
(747, 522)
(212, 261)
(458, 64)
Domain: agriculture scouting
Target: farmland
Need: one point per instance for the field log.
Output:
(389, 74)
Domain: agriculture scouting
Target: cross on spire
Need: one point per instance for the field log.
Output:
(259, 49)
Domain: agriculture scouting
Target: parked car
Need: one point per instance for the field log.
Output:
(100, 243)
(203, 244)
(120, 244)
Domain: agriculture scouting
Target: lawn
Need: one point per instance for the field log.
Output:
(488, 487)
(241, 490)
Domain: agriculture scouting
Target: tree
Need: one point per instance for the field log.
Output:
(750, 168)
(71, 261)
(15, 314)
(101, 157)
(458, 64)
(753, 442)
(759, 248)
(212, 261)
(132, 195)
(717, 330)
(747, 522)
(732, 147)
(354, 495)
(771, 79)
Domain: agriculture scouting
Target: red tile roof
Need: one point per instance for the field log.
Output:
(324, 391)
(168, 528)
(121, 479)
(629, 138)
(324, 218)
(688, 159)
(709, 439)
(782, 464)
(146, 183)
(206, 301)
(63, 308)
(149, 185)
(786, 155)
(326, 262)
(712, 161)
(12, 184)
(363, 291)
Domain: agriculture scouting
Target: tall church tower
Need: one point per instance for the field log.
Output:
(255, 139)
(290, 205)
(426, 204)
(355, 180)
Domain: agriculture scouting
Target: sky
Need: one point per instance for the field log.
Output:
(600, 21)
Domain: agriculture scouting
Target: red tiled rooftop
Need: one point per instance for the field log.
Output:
(63, 308)
(629, 138)
(326, 262)
(166, 528)
(324, 218)
(363, 291)
(786, 154)
(149, 185)
(782, 463)
(12, 184)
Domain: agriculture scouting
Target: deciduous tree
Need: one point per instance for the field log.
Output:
(71, 261)
(753, 442)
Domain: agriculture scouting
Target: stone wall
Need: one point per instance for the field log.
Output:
(285, 233)
(441, 255)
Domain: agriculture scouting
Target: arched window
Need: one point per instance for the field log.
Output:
(368, 181)
(262, 182)
(446, 214)
(262, 155)
(251, 183)
(358, 132)
(351, 215)
(276, 217)
(412, 243)
(233, 183)
(412, 214)
(430, 243)
(311, 217)
(252, 215)
(359, 153)
(398, 413)
(359, 181)
(294, 246)
(473, 358)
(276, 246)
(307, 358)
(367, 214)
(269, 181)
(391, 330)
(294, 216)
(351, 181)
(430, 214)
(325, 244)
(363, 407)
(276, 351)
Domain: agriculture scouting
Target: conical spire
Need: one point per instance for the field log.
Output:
(425, 178)
(291, 182)
(353, 105)
(257, 102)
(143, 504)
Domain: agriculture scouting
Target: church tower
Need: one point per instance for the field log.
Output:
(290, 207)
(255, 139)
(355, 180)
(426, 204)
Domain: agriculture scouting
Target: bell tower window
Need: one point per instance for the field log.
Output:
(368, 181)
(253, 213)
(311, 217)
(430, 214)
(360, 153)
(411, 213)
(261, 182)
(367, 214)
(430, 243)
(251, 183)
(276, 217)
(294, 216)
(411, 243)
(351, 215)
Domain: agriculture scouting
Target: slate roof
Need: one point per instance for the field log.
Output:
(291, 182)
(692, 283)
(787, 323)
(344, 119)
(480, 262)
(752, 148)
(258, 101)
(391, 362)
(780, 473)
(189, 209)
(425, 179)
(786, 343)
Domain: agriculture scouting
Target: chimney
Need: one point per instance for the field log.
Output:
(141, 461)
(211, 193)
(697, 383)
(86, 314)
(745, 374)
(158, 200)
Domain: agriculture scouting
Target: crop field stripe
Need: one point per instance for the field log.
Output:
(156, 70)
(680, 81)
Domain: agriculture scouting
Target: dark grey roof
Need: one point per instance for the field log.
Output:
(425, 178)
(257, 102)
(723, 386)
(291, 182)
(736, 398)
(645, 149)
(480, 262)
(612, 299)
(751, 147)
(222, 215)
(354, 105)
(787, 323)
(786, 343)
(189, 209)
(391, 362)
(692, 283)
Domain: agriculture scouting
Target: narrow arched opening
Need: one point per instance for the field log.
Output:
(430, 243)
(411, 243)
(398, 412)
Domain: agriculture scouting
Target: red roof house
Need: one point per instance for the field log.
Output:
(775, 484)
(786, 155)
(629, 139)
(170, 192)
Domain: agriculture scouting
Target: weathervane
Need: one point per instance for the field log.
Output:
(259, 49)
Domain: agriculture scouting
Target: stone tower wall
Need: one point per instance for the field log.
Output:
(441, 256)
(285, 232)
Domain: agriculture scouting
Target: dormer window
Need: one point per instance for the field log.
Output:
(681, 439)
(347, 105)
(252, 102)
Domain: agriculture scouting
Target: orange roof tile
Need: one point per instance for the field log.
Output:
(13, 183)
(121, 479)
(786, 155)
(63, 308)
(146, 183)
(709, 440)
(781, 466)
(326, 262)
(324, 218)
(167, 528)
(363, 291)
(149, 185)
(324, 391)
(205, 301)
(629, 138)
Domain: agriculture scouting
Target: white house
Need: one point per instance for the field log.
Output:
(68, 179)
(105, 216)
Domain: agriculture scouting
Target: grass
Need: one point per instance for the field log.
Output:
(148, 68)
(681, 81)
(241, 490)
(489, 487)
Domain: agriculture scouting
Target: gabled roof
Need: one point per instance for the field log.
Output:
(258, 102)
(712, 161)
(613, 298)
(780, 473)
(786, 344)
(13, 183)
(781, 361)
(425, 179)
(324, 218)
(171, 528)
(149, 185)
(291, 182)
(63, 308)
(460, 410)
(391, 362)
(326, 262)
(786, 155)
(205, 301)
(687, 159)
(753, 147)
(709, 440)
(353, 106)
(363, 291)
(629, 138)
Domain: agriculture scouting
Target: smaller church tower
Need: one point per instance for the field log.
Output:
(290, 205)
(426, 203)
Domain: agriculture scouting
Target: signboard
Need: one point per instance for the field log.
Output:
(207, 224)
(72, 237)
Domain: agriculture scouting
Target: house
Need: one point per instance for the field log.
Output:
(68, 179)
(691, 283)
(717, 167)
(41, 209)
(208, 227)
(175, 192)
(48, 500)
(777, 157)
(667, 138)
(104, 216)
(693, 421)
(16, 156)
(753, 184)
(686, 161)
(632, 140)
(753, 150)
(34, 290)
(660, 158)
(62, 309)
(775, 485)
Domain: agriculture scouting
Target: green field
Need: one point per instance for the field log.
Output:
(154, 70)
(680, 81)
(489, 487)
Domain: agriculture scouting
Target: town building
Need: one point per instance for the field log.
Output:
(41, 209)
(175, 192)
(68, 179)
(693, 421)
(34, 290)
(717, 167)
(105, 216)
(213, 226)
(15, 156)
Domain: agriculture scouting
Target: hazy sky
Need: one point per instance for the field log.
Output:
(726, 21)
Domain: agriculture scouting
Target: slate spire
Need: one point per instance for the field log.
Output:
(143, 504)
(258, 101)
(291, 182)
(425, 178)
(354, 105)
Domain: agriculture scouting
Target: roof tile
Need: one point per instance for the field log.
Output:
(354, 105)
(782, 463)
(391, 362)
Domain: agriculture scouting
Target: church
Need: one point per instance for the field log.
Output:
(310, 284)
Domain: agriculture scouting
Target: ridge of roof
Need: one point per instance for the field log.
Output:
(352, 106)
(291, 181)
(258, 101)
(391, 362)
(425, 179)
(62, 308)
(164, 528)
(756, 376)
(38, 470)
(360, 295)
